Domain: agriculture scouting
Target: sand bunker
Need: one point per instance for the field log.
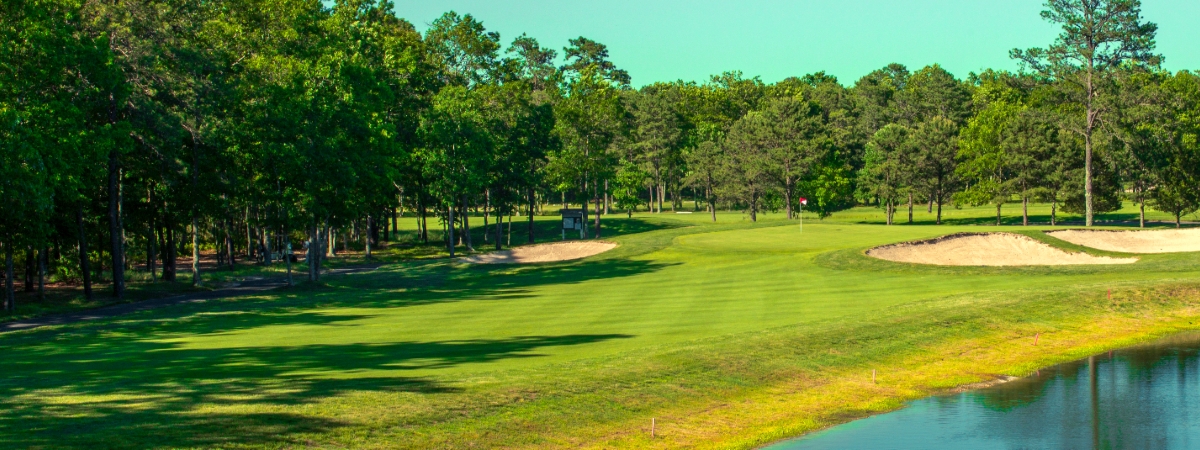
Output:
(992, 249)
(559, 251)
(1141, 241)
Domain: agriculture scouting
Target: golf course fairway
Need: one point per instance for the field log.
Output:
(727, 335)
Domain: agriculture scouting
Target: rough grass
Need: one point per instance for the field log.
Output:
(729, 335)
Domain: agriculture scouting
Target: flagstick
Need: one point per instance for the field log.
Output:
(802, 202)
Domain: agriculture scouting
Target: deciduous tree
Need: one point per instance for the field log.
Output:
(1098, 37)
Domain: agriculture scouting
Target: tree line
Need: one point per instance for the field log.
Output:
(146, 130)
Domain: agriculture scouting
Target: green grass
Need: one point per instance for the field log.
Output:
(729, 334)
(406, 247)
(65, 298)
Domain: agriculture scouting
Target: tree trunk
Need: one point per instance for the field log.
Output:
(930, 210)
(1054, 212)
(367, 236)
(787, 198)
(606, 198)
(1142, 213)
(85, 267)
(99, 273)
(450, 228)
(1178, 223)
(424, 223)
(661, 196)
(753, 206)
(115, 226)
(487, 207)
(466, 224)
(152, 252)
(219, 247)
(1087, 141)
(265, 242)
(10, 295)
(499, 230)
(170, 263)
(310, 255)
(998, 214)
(287, 256)
(346, 242)
(323, 242)
(889, 211)
(229, 242)
(712, 201)
(195, 251)
(1025, 210)
(532, 200)
(326, 237)
(45, 255)
(584, 204)
(676, 199)
(250, 253)
(939, 210)
(30, 269)
(910, 208)
(596, 196)
(331, 241)
(160, 246)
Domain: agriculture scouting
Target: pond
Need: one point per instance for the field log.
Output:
(1137, 397)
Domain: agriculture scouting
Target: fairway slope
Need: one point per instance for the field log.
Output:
(990, 249)
(559, 251)
(1143, 241)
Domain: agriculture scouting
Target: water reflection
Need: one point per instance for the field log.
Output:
(1139, 397)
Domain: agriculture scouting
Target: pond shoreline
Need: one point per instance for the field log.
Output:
(1124, 397)
(1132, 340)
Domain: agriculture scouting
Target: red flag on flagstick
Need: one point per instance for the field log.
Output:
(803, 201)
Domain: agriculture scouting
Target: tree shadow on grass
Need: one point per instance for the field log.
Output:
(621, 226)
(545, 230)
(133, 392)
(423, 283)
(610, 227)
(408, 284)
(122, 382)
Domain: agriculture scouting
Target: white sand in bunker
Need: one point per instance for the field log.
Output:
(991, 249)
(1140, 241)
(559, 251)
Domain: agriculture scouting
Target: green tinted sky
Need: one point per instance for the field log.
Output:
(661, 40)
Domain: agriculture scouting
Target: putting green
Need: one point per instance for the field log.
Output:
(431, 354)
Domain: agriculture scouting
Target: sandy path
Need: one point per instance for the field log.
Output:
(1140, 241)
(992, 249)
(559, 251)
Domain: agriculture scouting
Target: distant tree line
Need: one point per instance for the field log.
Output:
(132, 132)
